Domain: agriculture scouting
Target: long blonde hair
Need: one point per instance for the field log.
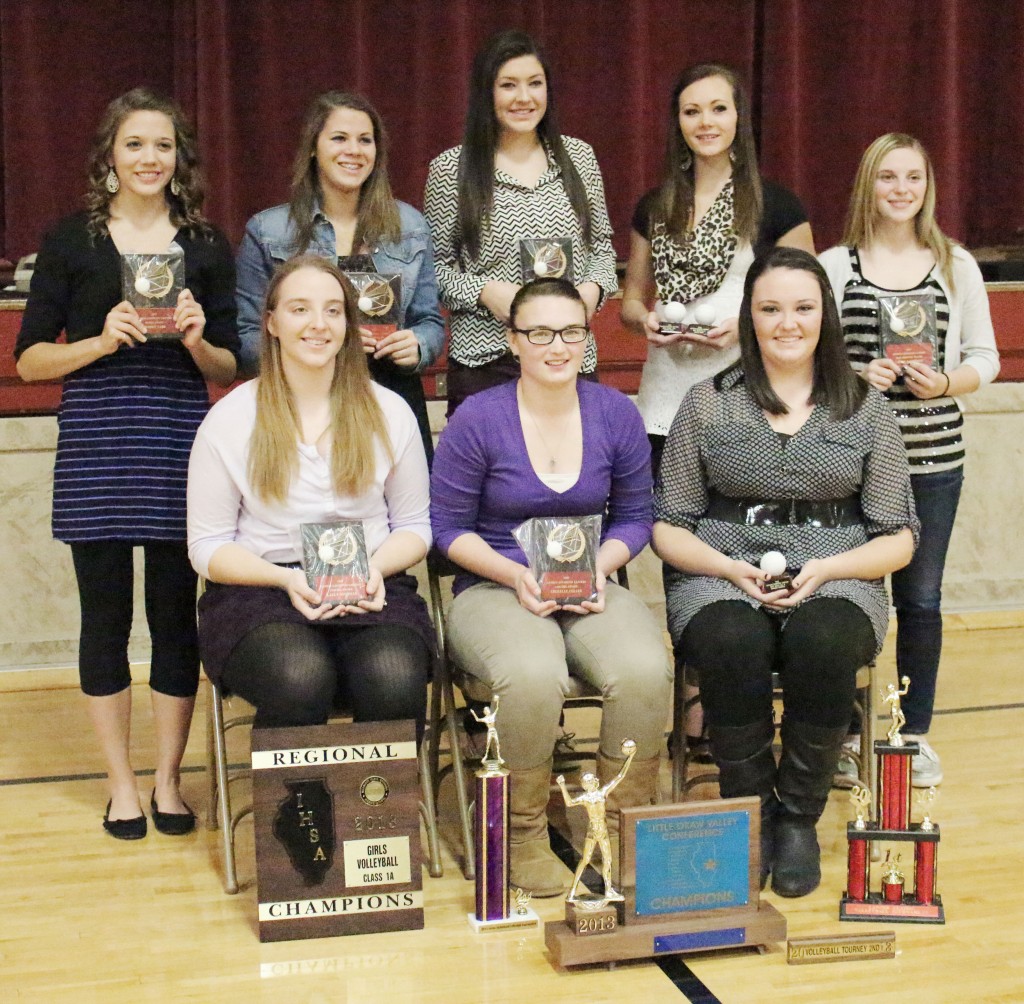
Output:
(357, 421)
(863, 213)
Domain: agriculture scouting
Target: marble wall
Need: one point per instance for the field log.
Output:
(39, 625)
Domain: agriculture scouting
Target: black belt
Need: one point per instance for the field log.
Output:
(792, 512)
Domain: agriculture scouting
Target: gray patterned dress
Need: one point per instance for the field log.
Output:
(721, 441)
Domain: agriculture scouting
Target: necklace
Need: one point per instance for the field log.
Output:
(552, 453)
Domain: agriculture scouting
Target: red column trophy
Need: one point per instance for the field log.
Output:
(490, 838)
(894, 902)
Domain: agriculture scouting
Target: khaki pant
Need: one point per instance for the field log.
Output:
(527, 660)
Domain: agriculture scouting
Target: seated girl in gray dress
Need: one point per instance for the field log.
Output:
(784, 451)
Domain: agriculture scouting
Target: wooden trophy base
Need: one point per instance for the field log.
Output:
(875, 907)
(752, 926)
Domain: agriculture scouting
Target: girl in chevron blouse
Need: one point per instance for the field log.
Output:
(894, 247)
(514, 177)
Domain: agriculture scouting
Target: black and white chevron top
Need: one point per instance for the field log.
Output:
(519, 212)
(932, 429)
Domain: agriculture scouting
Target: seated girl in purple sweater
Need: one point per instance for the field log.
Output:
(550, 445)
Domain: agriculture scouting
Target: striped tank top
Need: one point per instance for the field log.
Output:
(932, 430)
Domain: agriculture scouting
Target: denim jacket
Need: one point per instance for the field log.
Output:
(268, 242)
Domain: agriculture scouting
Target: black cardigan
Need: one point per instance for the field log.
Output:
(77, 280)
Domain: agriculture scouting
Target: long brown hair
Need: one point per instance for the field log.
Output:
(675, 198)
(834, 384)
(863, 212)
(378, 212)
(357, 421)
(480, 141)
(185, 207)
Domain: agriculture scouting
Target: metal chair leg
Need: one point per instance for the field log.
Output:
(227, 822)
(211, 774)
(428, 811)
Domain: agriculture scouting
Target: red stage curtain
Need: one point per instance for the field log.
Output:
(826, 78)
(951, 72)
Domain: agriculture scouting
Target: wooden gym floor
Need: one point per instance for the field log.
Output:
(86, 918)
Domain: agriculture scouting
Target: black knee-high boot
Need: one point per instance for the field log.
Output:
(809, 756)
(746, 766)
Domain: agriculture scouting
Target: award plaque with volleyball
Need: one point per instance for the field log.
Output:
(335, 561)
(545, 258)
(151, 284)
(562, 553)
(779, 575)
(892, 825)
(906, 325)
(378, 301)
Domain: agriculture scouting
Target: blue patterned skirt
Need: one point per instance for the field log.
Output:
(126, 425)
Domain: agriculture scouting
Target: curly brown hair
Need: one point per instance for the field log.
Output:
(185, 207)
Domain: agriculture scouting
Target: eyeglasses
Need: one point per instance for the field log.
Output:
(572, 335)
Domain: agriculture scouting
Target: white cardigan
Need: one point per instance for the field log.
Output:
(970, 338)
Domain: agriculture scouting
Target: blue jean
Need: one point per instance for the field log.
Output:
(917, 595)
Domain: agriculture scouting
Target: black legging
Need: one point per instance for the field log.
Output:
(105, 585)
(735, 648)
(295, 674)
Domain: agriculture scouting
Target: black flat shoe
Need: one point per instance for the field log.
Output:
(124, 829)
(173, 824)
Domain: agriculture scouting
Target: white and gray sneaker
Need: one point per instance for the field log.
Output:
(926, 768)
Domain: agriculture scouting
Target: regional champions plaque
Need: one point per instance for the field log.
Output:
(336, 819)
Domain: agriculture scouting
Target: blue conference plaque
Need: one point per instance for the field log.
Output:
(693, 862)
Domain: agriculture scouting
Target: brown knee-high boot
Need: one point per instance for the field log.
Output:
(533, 866)
(638, 787)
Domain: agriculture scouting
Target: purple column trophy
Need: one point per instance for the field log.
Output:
(490, 838)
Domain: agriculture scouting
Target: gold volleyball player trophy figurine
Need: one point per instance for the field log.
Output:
(594, 799)
(892, 698)
(492, 748)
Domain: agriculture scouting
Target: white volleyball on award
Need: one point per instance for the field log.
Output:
(672, 318)
(703, 320)
(773, 564)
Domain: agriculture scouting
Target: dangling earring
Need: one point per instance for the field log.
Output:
(175, 187)
(112, 183)
(687, 162)
(732, 155)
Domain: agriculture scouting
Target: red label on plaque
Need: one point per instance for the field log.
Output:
(379, 331)
(566, 586)
(158, 320)
(911, 352)
(922, 910)
(340, 588)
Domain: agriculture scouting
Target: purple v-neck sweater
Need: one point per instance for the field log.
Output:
(483, 482)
